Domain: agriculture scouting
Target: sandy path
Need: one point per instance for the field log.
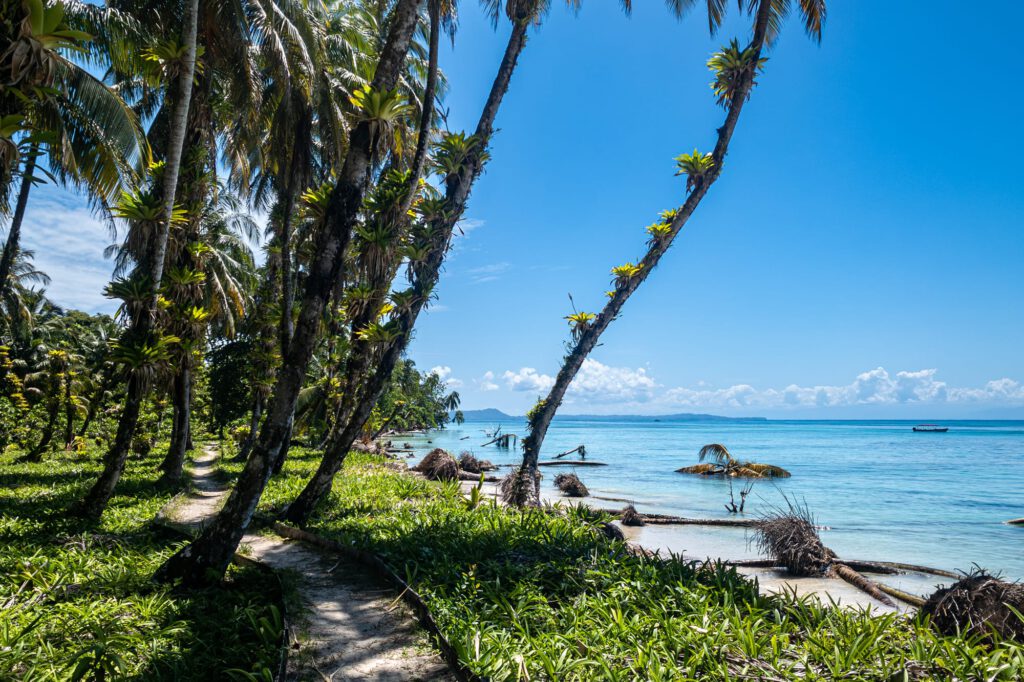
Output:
(352, 626)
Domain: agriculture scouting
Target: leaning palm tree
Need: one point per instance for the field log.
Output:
(459, 160)
(735, 70)
(715, 460)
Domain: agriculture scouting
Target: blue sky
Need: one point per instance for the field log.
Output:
(860, 256)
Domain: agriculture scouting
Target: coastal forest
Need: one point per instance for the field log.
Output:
(186, 483)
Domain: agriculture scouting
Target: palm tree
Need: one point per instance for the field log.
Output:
(459, 160)
(721, 463)
(55, 108)
(210, 553)
(735, 71)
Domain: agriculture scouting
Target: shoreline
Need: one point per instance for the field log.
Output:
(665, 539)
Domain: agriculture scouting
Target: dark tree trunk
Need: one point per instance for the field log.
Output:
(456, 197)
(174, 462)
(97, 400)
(69, 411)
(254, 425)
(52, 414)
(11, 246)
(113, 462)
(210, 553)
(540, 418)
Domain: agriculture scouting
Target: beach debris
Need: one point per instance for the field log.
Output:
(503, 441)
(722, 463)
(734, 508)
(516, 489)
(571, 485)
(791, 540)
(468, 462)
(631, 517)
(980, 605)
(1016, 522)
(581, 449)
(571, 462)
(438, 465)
(612, 532)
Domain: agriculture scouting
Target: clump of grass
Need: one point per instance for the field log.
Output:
(978, 605)
(438, 465)
(631, 517)
(571, 485)
(469, 463)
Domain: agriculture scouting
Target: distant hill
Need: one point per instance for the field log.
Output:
(487, 415)
(493, 415)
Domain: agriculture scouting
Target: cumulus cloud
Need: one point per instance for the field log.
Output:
(68, 242)
(444, 373)
(486, 382)
(599, 384)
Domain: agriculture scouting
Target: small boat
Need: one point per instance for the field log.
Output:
(931, 428)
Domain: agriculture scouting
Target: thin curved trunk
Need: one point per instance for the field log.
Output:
(456, 197)
(52, 414)
(97, 400)
(254, 425)
(211, 552)
(113, 462)
(11, 246)
(419, 159)
(540, 418)
(174, 462)
(69, 411)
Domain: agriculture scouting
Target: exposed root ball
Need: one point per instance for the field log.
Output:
(631, 517)
(791, 540)
(516, 488)
(612, 532)
(571, 485)
(473, 465)
(978, 604)
(438, 465)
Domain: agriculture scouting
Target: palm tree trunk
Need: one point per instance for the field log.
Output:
(540, 418)
(11, 246)
(254, 425)
(210, 553)
(113, 463)
(97, 400)
(174, 462)
(69, 411)
(456, 197)
(95, 501)
(429, 95)
(52, 414)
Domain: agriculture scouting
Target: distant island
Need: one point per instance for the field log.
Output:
(491, 414)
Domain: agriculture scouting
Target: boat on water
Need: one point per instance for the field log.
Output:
(931, 428)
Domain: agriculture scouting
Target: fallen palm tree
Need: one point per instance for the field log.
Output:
(791, 540)
(571, 485)
(438, 465)
(631, 517)
(517, 487)
(721, 463)
(978, 605)
(469, 463)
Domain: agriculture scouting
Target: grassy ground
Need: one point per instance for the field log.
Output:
(76, 601)
(534, 595)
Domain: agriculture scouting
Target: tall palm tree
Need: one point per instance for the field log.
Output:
(211, 552)
(735, 72)
(459, 160)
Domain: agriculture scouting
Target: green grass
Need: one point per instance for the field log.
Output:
(535, 595)
(76, 601)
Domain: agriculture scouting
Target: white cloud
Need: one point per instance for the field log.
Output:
(68, 241)
(528, 379)
(599, 385)
(486, 382)
(444, 373)
(488, 273)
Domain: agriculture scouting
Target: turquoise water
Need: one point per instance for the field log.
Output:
(885, 492)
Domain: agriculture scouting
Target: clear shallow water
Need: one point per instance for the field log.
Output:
(887, 493)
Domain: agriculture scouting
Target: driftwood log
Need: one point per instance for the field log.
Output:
(570, 463)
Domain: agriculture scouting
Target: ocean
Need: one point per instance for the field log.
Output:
(884, 491)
